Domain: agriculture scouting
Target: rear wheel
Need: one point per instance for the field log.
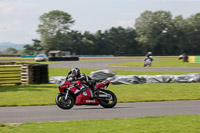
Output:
(64, 104)
(108, 102)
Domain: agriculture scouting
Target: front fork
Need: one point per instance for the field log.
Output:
(66, 95)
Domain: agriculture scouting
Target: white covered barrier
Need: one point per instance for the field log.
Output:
(136, 79)
(102, 74)
(56, 79)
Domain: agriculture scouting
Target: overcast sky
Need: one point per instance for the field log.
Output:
(19, 18)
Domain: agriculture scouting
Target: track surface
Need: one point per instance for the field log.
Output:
(121, 110)
(104, 65)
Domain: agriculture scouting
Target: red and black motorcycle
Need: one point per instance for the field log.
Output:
(79, 93)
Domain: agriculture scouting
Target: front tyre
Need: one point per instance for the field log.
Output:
(64, 104)
(108, 102)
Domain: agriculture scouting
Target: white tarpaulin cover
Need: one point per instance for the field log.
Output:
(56, 79)
(102, 74)
(135, 79)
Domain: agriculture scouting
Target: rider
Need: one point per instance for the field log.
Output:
(149, 56)
(77, 76)
(148, 59)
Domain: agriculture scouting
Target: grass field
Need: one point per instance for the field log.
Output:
(163, 124)
(164, 63)
(20, 95)
(44, 94)
(64, 71)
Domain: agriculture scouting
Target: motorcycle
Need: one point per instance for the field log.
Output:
(148, 61)
(79, 93)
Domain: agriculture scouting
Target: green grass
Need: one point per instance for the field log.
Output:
(156, 92)
(64, 71)
(17, 95)
(45, 94)
(165, 63)
(162, 124)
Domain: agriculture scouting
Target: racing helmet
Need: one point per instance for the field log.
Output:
(75, 72)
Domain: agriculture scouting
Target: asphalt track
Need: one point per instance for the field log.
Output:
(121, 110)
(104, 65)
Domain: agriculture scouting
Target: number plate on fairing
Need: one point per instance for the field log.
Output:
(90, 101)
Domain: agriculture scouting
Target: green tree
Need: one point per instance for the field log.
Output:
(75, 42)
(37, 46)
(180, 29)
(155, 32)
(28, 49)
(87, 46)
(54, 26)
(10, 50)
(122, 40)
(102, 44)
(131, 47)
(193, 33)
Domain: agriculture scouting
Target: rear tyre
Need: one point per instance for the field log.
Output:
(108, 102)
(64, 104)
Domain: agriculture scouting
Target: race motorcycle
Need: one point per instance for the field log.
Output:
(148, 61)
(79, 93)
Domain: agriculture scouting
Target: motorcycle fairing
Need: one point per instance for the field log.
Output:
(102, 84)
(85, 98)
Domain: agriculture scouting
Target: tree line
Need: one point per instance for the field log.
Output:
(158, 32)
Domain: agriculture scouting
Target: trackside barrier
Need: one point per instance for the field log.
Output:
(10, 74)
(35, 74)
(24, 74)
(194, 59)
(28, 56)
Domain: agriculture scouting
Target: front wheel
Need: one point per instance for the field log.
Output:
(64, 104)
(108, 102)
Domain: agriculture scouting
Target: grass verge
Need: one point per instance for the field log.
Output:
(64, 71)
(45, 94)
(162, 124)
(19, 95)
(164, 63)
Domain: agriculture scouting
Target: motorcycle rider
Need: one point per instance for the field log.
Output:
(148, 59)
(75, 75)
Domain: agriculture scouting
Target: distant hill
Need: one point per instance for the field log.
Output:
(5, 45)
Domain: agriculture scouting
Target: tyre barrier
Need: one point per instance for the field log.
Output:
(35, 74)
(63, 58)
